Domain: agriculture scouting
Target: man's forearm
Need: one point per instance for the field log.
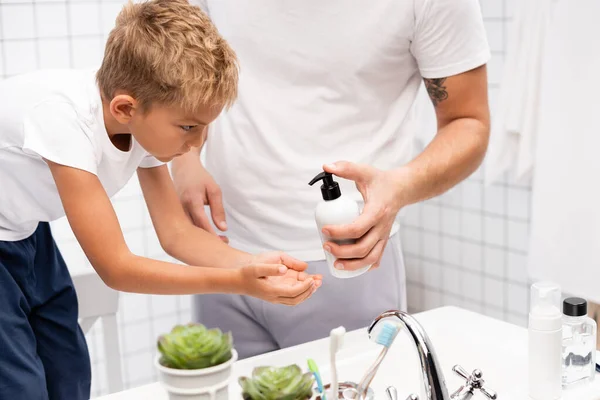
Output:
(455, 153)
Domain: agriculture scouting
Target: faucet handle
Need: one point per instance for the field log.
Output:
(392, 394)
(474, 381)
(460, 371)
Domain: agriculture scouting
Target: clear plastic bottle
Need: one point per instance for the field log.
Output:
(579, 343)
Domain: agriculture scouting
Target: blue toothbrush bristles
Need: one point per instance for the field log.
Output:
(387, 334)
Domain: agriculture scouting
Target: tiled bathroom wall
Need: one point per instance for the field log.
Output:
(466, 248)
(469, 247)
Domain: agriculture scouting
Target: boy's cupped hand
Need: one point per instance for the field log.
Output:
(278, 278)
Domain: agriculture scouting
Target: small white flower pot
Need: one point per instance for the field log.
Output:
(197, 384)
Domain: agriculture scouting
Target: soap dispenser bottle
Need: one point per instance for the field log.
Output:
(579, 343)
(335, 209)
(545, 342)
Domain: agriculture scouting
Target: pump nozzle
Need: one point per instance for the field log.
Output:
(330, 189)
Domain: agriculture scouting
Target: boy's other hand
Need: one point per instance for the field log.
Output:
(290, 286)
(197, 188)
(277, 284)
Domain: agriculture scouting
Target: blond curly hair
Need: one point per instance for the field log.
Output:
(168, 52)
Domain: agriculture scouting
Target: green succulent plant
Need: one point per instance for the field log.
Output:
(193, 346)
(272, 383)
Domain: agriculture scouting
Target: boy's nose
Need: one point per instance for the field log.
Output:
(199, 140)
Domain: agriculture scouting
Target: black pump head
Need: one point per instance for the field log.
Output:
(330, 188)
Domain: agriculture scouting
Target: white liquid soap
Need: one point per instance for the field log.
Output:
(335, 209)
(545, 342)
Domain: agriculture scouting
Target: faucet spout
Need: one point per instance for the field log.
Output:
(431, 371)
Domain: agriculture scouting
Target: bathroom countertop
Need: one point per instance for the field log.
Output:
(459, 336)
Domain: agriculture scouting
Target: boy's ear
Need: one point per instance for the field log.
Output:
(123, 107)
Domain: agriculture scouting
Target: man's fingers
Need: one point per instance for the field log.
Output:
(215, 201)
(371, 259)
(349, 170)
(360, 249)
(356, 229)
(224, 238)
(200, 219)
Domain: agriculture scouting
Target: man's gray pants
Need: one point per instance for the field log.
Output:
(259, 327)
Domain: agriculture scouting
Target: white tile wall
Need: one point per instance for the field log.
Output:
(18, 21)
(466, 248)
(52, 20)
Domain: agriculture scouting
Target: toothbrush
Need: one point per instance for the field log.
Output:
(312, 366)
(336, 340)
(385, 337)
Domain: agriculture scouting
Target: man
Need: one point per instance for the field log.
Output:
(327, 82)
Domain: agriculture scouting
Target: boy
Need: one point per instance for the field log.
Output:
(71, 139)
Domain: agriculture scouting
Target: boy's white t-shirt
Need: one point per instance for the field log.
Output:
(323, 81)
(56, 115)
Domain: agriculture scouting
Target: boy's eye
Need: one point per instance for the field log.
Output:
(188, 128)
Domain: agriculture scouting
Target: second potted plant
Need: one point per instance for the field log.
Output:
(277, 383)
(194, 363)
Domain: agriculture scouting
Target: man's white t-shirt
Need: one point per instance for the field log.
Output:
(56, 115)
(323, 81)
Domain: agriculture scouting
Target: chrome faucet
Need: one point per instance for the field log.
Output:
(431, 371)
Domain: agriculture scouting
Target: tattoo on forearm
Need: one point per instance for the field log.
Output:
(436, 89)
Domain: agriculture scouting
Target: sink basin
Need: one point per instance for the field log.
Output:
(497, 348)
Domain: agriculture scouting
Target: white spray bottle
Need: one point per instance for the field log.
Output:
(335, 209)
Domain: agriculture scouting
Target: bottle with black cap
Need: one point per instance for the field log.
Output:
(335, 209)
(579, 343)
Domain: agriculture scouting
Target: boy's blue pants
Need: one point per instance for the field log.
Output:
(43, 353)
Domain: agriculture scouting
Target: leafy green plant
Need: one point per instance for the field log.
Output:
(272, 383)
(193, 346)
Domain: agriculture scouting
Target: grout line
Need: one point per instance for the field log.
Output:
(70, 33)
(3, 50)
(482, 274)
(421, 252)
(56, 2)
(459, 268)
(461, 282)
(51, 37)
(470, 241)
(505, 197)
(441, 244)
(36, 38)
(497, 308)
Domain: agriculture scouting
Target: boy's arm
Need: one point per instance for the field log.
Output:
(95, 225)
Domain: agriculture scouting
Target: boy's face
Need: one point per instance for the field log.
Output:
(168, 132)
